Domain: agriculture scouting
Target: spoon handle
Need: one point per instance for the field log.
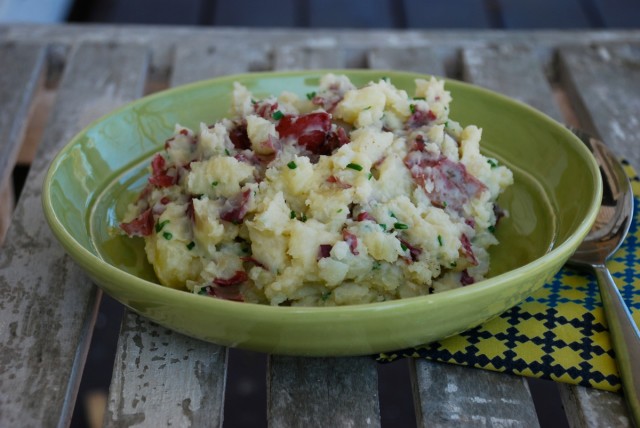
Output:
(625, 339)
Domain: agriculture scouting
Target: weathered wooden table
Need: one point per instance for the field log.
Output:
(70, 75)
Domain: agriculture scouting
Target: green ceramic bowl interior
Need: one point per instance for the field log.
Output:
(552, 205)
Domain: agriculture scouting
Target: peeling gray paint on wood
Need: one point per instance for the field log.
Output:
(603, 82)
(322, 392)
(449, 395)
(163, 378)
(424, 59)
(291, 57)
(514, 71)
(47, 304)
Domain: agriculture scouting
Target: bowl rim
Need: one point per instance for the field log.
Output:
(96, 265)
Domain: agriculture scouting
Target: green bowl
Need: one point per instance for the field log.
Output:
(552, 206)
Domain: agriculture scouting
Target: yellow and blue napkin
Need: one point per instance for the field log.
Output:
(559, 333)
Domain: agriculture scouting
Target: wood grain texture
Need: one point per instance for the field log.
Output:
(603, 84)
(513, 71)
(292, 57)
(162, 378)
(424, 59)
(463, 397)
(322, 392)
(24, 64)
(47, 304)
(592, 408)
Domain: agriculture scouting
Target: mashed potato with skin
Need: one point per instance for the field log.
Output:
(343, 196)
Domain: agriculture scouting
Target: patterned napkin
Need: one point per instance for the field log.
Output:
(559, 333)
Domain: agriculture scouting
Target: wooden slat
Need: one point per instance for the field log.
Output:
(603, 82)
(353, 14)
(47, 305)
(592, 408)
(463, 397)
(524, 14)
(195, 62)
(513, 71)
(450, 14)
(292, 57)
(323, 392)
(161, 377)
(22, 67)
(423, 59)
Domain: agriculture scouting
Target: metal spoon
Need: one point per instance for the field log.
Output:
(605, 237)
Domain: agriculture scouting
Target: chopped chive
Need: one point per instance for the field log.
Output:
(446, 124)
(392, 214)
(203, 291)
(404, 247)
(491, 229)
(419, 98)
(277, 115)
(412, 107)
(167, 236)
(492, 162)
(366, 108)
(440, 240)
(226, 152)
(355, 166)
(311, 95)
(292, 215)
(453, 264)
(340, 210)
(190, 245)
(444, 204)
(376, 265)
(383, 226)
(214, 183)
(401, 226)
(303, 218)
(160, 226)
(292, 165)
(369, 176)
(325, 295)
(385, 78)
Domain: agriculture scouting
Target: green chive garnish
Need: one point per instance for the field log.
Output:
(366, 108)
(376, 265)
(226, 152)
(304, 218)
(159, 226)
(311, 95)
(440, 240)
(383, 226)
(190, 245)
(355, 166)
(214, 184)
(412, 107)
(491, 229)
(400, 226)
(292, 165)
(292, 215)
(277, 115)
(492, 163)
(369, 176)
(167, 236)
(404, 247)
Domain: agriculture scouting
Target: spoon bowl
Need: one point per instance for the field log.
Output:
(606, 235)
